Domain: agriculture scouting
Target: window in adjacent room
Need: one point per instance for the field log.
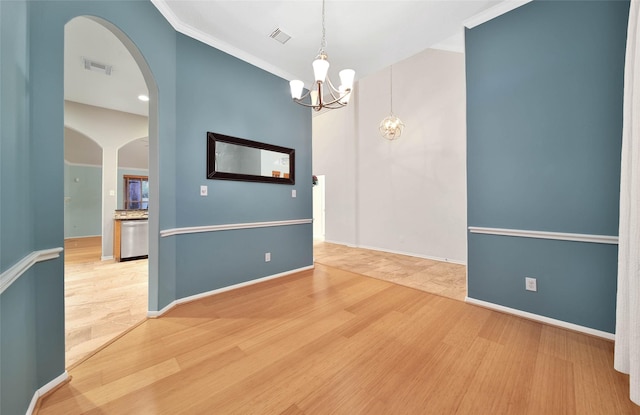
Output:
(136, 192)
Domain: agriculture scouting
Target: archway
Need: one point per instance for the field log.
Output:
(96, 121)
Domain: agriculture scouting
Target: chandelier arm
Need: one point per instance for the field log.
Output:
(319, 96)
(332, 88)
(334, 104)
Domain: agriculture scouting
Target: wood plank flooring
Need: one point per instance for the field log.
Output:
(102, 298)
(329, 341)
(438, 277)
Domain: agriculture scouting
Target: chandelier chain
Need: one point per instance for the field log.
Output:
(391, 86)
(323, 43)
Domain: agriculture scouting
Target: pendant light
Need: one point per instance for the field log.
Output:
(391, 126)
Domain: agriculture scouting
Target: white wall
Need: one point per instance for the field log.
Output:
(334, 156)
(409, 195)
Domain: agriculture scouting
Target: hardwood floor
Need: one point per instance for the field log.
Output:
(437, 277)
(102, 298)
(329, 341)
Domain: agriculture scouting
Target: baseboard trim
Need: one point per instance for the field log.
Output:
(541, 319)
(560, 236)
(46, 389)
(232, 226)
(434, 258)
(71, 238)
(340, 243)
(156, 314)
(390, 251)
(9, 276)
(107, 258)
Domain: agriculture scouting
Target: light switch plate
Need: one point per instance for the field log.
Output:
(204, 190)
(293, 192)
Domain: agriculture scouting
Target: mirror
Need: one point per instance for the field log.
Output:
(232, 158)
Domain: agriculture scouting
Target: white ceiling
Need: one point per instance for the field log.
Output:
(84, 38)
(365, 35)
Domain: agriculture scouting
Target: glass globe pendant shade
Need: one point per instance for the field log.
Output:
(391, 127)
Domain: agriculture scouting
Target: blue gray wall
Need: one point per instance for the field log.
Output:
(82, 201)
(195, 95)
(222, 94)
(544, 127)
(18, 314)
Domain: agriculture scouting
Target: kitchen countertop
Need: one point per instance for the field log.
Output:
(131, 214)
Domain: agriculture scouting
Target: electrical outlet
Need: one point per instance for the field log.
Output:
(267, 256)
(204, 190)
(530, 284)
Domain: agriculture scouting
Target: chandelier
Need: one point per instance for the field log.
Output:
(391, 126)
(315, 97)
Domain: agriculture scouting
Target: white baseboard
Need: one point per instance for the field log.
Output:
(155, 314)
(107, 258)
(46, 388)
(329, 241)
(542, 319)
(390, 251)
(82, 237)
(434, 258)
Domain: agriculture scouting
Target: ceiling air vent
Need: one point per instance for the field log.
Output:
(280, 36)
(97, 66)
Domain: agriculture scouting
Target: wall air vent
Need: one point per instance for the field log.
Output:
(97, 66)
(279, 35)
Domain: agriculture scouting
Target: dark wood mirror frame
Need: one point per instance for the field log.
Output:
(213, 138)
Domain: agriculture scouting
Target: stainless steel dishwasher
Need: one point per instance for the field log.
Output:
(134, 239)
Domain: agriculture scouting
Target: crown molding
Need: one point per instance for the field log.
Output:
(493, 12)
(185, 29)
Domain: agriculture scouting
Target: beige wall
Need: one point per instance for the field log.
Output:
(409, 195)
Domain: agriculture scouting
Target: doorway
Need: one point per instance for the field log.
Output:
(103, 298)
(319, 207)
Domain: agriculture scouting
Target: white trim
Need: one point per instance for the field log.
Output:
(434, 258)
(187, 30)
(46, 388)
(70, 163)
(81, 237)
(340, 243)
(154, 314)
(560, 236)
(542, 319)
(9, 276)
(106, 258)
(372, 248)
(232, 226)
(493, 12)
(133, 168)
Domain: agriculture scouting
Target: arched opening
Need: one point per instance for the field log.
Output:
(104, 74)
